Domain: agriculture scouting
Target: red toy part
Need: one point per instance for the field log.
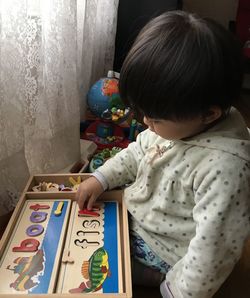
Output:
(36, 207)
(27, 245)
(90, 134)
(88, 213)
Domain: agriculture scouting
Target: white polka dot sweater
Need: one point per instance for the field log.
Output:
(190, 201)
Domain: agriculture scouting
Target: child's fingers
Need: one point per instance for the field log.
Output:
(78, 194)
(91, 202)
(81, 197)
(88, 192)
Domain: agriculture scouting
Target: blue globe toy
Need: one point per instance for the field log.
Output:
(104, 101)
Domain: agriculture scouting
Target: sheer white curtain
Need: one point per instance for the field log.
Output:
(51, 51)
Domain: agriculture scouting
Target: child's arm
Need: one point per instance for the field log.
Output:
(222, 225)
(87, 193)
(122, 168)
(117, 171)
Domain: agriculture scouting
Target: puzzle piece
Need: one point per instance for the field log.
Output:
(59, 208)
(66, 257)
(88, 213)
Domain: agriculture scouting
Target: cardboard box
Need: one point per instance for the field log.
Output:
(65, 246)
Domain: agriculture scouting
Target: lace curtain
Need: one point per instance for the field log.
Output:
(51, 51)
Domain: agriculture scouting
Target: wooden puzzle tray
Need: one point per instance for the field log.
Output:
(50, 250)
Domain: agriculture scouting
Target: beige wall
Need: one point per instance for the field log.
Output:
(220, 10)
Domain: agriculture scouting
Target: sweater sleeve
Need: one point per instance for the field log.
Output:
(221, 214)
(122, 168)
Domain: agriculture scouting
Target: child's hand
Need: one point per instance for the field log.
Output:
(89, 190)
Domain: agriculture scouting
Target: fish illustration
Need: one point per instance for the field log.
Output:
(27, 268)
(95, 270)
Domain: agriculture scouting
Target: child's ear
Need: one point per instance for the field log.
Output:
(213, 114)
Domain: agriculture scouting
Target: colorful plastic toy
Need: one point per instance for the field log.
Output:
(101, 157)
(104, 102)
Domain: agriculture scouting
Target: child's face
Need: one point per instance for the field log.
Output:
(175, 130)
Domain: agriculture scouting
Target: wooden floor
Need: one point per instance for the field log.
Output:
(146, 292)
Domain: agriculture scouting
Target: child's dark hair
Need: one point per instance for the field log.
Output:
(179, 66)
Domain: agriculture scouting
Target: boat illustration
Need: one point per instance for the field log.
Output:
(28, 268)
